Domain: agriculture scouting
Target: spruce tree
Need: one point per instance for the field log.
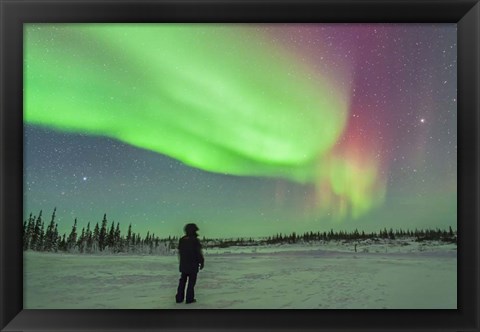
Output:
(72, 238)
(62, 243)
(391, 235)
(41, 238)
(128, 240)
(56, 239)
(50, 237)
(111, 237)
(450, 231)
(103, 233)
(81, 241)
(147, 238)
(96, 239)
(36, 232)
(24, 231)
(129, 233)
(356, 234)
(28, 233)
(89, 239)
(118, 239)
(152, 243)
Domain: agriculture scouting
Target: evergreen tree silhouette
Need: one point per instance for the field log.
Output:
(41, 238)
(61, 243)
(147, 238)
(24, 231)
(89, 239)
(28, 233)
(391, 235)
(103, 233)
(118, 245)
(134, 238)
(80, 243)
(111, 237)
(56, 239)
(356, 234)
(128, 240)
(72, 238)
(450, 231)
(96, 239)
(50, 237)
(36, 232)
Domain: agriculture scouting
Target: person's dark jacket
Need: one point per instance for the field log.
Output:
(191, 257)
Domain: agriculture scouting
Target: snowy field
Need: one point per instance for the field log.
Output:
(323, 276)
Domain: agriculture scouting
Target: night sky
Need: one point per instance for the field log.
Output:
(247, 130)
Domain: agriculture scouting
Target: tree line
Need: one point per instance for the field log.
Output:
(418, 235)
(102, 238)
(109, 238)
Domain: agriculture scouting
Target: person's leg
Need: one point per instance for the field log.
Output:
(181, 288)
(192, 279)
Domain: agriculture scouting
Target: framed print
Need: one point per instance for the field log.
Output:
(270, 165)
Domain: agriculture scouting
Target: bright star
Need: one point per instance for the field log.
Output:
(422, 120)
(84, 178)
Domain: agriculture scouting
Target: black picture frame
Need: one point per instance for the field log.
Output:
(14, 13)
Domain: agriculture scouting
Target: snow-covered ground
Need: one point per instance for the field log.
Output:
(388, 275)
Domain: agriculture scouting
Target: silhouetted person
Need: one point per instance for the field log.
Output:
(191, 260)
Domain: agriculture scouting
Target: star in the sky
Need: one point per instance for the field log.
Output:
(422, 120)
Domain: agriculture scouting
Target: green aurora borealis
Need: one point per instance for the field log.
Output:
(183, 97)
(222, 99)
